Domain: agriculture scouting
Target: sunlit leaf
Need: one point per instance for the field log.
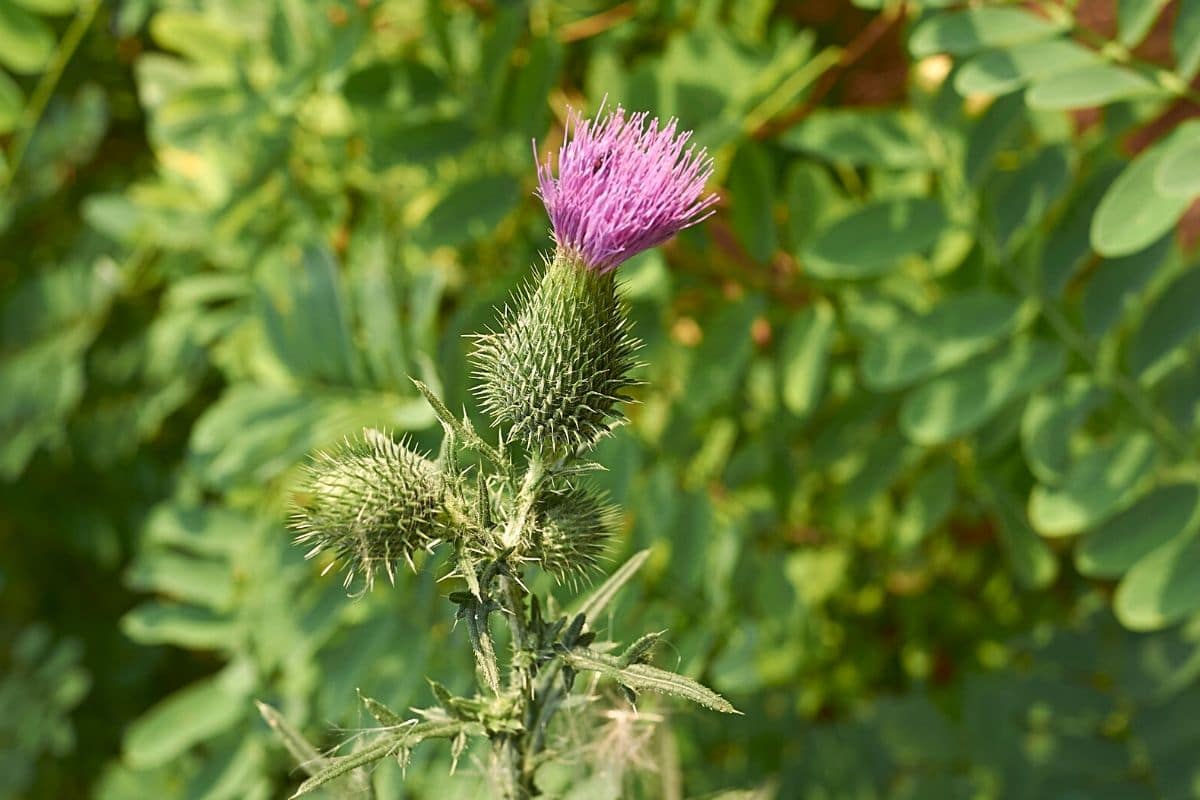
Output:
(974, 29)
(998, 72)
(875, 239)
(804, 354)
(1094, 487)
(1158, 517)
(1134, 213)
(963, 400)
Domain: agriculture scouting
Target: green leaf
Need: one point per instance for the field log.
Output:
(395, 141)
(961, 326)
(1162, 588)
(12, 102)
(876, 238)
(929, 502)
(1178, 173)
(1185, 39)
(1032, 560)
(305, 316)
(181, 625)
(26, 42)
(812, 198)
(187, 717)
(999, 72)
(1025, 196)
(1050, 420)
(308, 757)
(469, 211)
(1158, 517)
(720, 360)
(961, 401)
(1089, 86)
(1133, 213)
(1094, 488)
(191, 578)
(49, 7)
(1169, 322)
(385, 747)
(643, 677)
(804, 355)
(883, 459)
(887, 138)
(1135, 18)
(481, 644)
(253, 433)
(463, 428)
(526, 106)
(974, 29)
(752, 181)
(208, 530)
(195, 36)
(374, 286)
(1118, 285)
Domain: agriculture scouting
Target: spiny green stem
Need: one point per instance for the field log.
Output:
(526, 497)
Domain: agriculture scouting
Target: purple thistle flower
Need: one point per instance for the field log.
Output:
(623, 186)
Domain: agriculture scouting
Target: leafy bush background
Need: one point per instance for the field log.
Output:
(916, 459)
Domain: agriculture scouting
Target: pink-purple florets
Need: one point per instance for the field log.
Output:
(623, 186)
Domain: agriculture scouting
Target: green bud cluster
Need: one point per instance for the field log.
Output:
(558, 365)
(571, 530)
(373, 503)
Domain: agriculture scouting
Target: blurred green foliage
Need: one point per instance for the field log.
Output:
(916, 457)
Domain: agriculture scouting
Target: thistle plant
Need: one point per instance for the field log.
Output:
(552, 375)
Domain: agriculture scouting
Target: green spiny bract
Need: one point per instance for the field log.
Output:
(571, 530)
(372, 502)
(557, 367)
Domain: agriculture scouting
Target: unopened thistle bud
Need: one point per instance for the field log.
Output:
(559, 364)
(555, 370)
(373, 503)
(572, 530)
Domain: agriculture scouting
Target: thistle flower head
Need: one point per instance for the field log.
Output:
(373, 503)
(624, 185)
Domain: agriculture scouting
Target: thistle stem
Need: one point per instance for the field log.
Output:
(526, 497)
(513, 754)
(513, 762)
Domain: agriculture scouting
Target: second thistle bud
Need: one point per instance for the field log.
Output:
(573, 526)
(560, 362)
(373, 503)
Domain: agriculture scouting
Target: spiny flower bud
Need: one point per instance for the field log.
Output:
(572, 528)
(623, 186)
(560, 363)
(372, 502)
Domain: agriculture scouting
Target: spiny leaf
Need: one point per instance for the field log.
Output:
(640, 650)
(461, 428)
(643, 677)
(481, 644)
(382, 714)
(337, 767)
(307, 756)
